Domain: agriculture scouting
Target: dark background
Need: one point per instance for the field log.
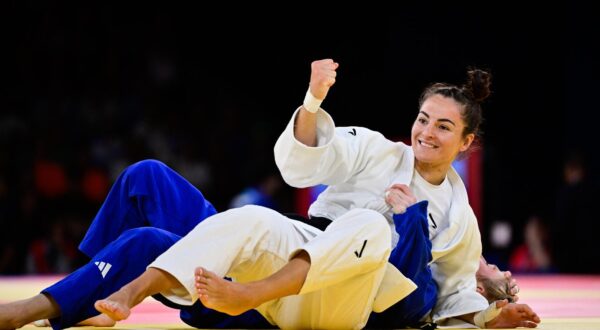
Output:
(89, 90)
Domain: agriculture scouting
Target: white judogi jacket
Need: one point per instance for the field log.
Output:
(358, 165)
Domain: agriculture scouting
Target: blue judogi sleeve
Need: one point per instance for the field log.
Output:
(411, 256)
(147, 193)
(201, 317)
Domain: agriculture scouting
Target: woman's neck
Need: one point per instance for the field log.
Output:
(434, 174)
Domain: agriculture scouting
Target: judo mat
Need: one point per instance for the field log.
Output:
(562, 302)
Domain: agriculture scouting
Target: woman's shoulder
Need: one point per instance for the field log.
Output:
(361, 132)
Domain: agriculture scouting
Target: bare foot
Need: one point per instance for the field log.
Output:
(222, 295)
(115, 306)
(102, 321)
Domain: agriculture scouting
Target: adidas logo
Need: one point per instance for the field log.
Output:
(104, 267)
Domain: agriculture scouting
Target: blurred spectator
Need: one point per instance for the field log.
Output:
(55, 253)
(95, 184)
(50, 179)
(573, 233)
(533, 255)
(263, 193)
(500, 240)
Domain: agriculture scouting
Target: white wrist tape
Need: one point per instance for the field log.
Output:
(490, 313)
(311, 103)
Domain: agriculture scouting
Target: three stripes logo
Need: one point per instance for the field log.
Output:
(104, 267)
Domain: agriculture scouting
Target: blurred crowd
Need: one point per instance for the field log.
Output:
(53, 182)
(63, 143)
(558, 238)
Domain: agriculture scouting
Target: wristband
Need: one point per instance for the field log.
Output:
(311, 103)
(490, 313)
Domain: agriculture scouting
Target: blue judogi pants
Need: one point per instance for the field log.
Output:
(148, 209)
(147, 193)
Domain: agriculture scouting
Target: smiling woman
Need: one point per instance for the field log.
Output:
(434, 136)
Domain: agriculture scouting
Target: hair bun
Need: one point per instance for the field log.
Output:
(478, 83)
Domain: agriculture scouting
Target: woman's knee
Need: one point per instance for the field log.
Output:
(145, 166)
(253, 217)
(368, 218)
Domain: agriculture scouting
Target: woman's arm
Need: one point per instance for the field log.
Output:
(322, 77)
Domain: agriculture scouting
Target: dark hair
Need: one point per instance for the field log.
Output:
(470, 95)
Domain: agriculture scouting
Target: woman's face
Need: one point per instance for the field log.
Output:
(436, 135)
(491, 271)
(493, 284)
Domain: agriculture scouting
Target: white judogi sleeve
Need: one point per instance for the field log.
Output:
(356, 163)
(456, 252)
(336, 158)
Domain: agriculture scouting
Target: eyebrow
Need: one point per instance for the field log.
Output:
(442, 119)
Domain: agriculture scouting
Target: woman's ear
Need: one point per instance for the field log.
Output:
(480, 289)
(467, 141)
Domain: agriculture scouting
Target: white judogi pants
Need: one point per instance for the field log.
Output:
(348, 262)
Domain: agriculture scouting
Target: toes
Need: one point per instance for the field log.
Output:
(208, 274)
(201, 280)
